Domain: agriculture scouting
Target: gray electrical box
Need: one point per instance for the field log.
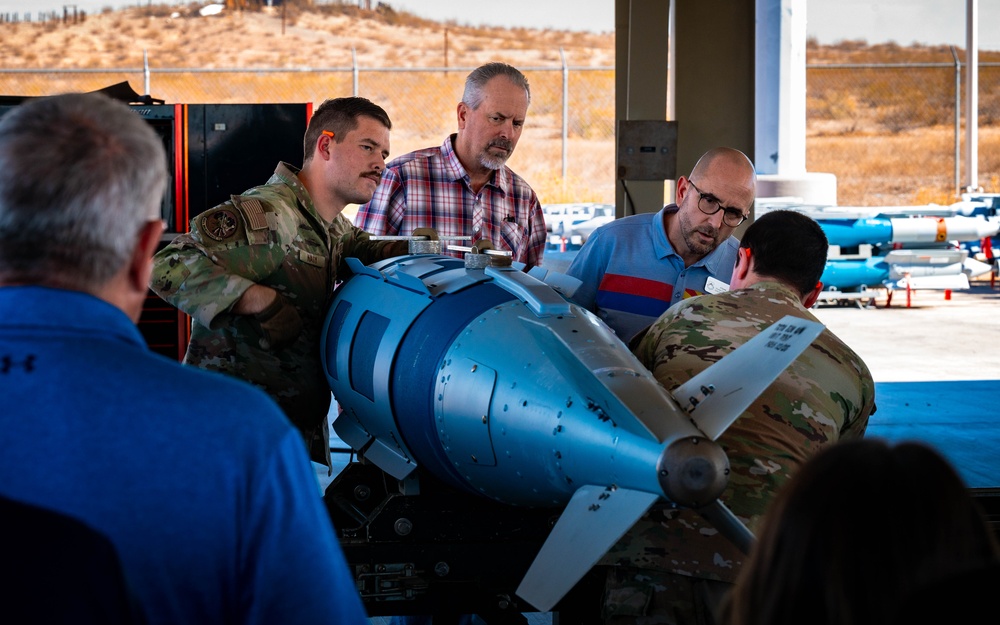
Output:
(647, 149)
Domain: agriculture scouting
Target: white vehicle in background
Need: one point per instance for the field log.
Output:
(570, 224)
(602, 214)
(561, 217)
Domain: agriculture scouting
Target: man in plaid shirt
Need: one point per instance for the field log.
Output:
(463, 187)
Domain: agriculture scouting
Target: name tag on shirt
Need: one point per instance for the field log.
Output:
(713, 285)
(312, 259)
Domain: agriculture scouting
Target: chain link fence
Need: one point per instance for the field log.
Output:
(566, 158)
(893, 134)
(898, 97)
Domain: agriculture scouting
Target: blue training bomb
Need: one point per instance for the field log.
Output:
(493, 382)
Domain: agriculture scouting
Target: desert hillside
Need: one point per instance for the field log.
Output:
(322, 36)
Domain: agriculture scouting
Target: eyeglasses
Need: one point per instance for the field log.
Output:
(710, 205)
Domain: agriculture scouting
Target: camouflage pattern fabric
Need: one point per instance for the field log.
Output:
(272, 236)
(636, 596)
(825, 395)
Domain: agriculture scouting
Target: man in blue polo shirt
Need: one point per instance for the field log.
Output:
(636, 267)
(199, 481)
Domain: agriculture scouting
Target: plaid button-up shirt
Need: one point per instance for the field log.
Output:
(429, 188)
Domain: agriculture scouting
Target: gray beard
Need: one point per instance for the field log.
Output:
(491, 162)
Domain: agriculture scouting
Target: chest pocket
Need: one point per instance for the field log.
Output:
(305, 272)
(513, 236)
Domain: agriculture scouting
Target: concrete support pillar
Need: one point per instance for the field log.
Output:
(641, 72)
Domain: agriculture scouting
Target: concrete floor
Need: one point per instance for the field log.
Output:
(934, 339)
(936, 365)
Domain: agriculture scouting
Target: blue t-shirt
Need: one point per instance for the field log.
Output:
(631, 273)
(198, 479)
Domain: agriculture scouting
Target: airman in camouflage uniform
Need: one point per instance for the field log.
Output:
(287, 235)
(673, 566)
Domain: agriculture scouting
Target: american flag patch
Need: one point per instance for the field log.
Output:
(253, 210)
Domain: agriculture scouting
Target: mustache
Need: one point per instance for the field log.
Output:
(501, 143)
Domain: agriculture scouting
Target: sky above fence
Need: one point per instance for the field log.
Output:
(931, 22)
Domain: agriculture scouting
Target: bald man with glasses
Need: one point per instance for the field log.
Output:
(636, 267)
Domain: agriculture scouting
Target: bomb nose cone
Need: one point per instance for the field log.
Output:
(987, 228)
(693, 471)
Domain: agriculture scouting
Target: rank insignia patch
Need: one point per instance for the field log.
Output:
(219, 224)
